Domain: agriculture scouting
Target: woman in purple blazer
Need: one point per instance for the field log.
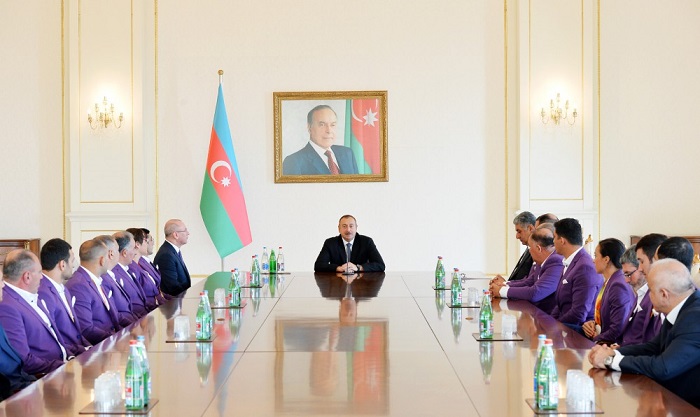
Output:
(615, 299)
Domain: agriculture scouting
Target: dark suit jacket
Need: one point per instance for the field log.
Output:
(577, 291)
(96, 322)
(11, 368)
(307, 161)
(643, 325)
(615, 307)
(672, 358)
(29, 335)
(522, 268)
(540, 284)
(174, 277)
(364, 253)
(70, 330)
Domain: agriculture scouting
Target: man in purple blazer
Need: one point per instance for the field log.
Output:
(57, 264)
(148, 277)
(644, 322)
(580, 283)
(12, 375)
(128, 277)
(94, 307)
(542, 281)
(121, 298)
(28, 325)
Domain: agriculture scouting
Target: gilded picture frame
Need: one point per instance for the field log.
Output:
(351, 126)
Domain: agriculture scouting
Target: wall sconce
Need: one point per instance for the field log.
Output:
(104, 116)
(556, 114)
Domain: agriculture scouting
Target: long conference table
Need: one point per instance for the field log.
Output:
(314, 344)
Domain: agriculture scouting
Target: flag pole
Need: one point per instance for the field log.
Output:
(221, 77)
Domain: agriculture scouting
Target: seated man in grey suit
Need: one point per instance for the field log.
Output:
(524, 224)
(320, 156)
(672, 358)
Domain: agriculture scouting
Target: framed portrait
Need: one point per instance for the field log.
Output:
(331, 136)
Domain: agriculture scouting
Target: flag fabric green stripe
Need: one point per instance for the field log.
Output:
(217, 222)
(352, 142)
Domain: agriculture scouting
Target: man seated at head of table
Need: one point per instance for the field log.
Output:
(541, 283)
(94, 303)
(27, 323)
(12, 375)
(524, 224)
(615, 299)
(57, 260)
(671, 358)
(121, 298)
(644, 322)
(349, 251)
(580, 283)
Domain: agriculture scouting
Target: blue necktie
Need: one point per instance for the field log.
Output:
(348, 251)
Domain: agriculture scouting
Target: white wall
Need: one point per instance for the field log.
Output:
(650, 61)
(440, 199)
(443, 65)
(31, 203)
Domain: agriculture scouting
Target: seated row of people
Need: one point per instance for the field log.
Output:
(51, 312)
(606, 297)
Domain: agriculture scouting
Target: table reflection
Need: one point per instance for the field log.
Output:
(347, 364)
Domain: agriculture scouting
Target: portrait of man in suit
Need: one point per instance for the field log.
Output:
(321, 156)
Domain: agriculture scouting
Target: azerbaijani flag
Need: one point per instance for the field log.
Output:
(362, 134)
(223, 205)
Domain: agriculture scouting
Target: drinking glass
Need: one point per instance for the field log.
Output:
(220, 297)
(182, 327)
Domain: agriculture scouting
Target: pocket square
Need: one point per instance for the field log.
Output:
(565, 281)
(110, 294)
(72, 303)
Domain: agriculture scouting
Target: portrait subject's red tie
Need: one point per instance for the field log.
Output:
(331, 164)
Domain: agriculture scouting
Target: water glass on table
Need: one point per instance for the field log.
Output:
(509, 326)
(182, 327)
(472, 297)
(220, 297)
(580, 391)
(108, 391)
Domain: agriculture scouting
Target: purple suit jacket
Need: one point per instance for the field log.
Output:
(131, 286)
(29, 335)
(151, 288)
(151, 270)
(70, 331)
(577, 291)
(121, 299)
(540, 284)
(643, 325)
(96, 322)
(615, 307)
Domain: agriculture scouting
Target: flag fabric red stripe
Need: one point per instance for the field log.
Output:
(365, 128)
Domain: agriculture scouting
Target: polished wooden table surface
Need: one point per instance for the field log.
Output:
(312, 345)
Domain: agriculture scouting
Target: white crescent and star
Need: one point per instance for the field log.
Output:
(369, 118)
(225, 181)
